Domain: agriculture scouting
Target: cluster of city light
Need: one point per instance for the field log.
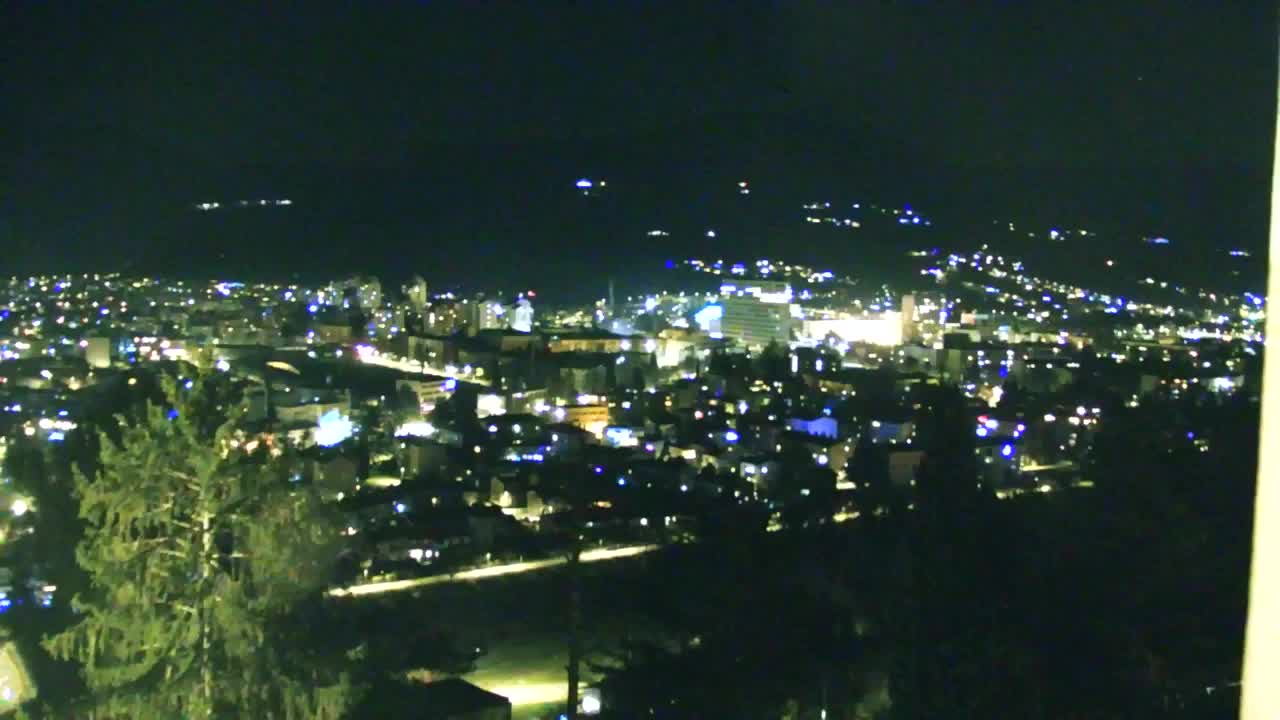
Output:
(215, 205)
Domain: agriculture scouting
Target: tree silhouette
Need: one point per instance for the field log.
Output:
(199, 550)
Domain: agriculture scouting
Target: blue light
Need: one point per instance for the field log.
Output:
(584, 183)
(622, 481)
(1007, 450)
(57, 436)
(982, 432)
(1190, 435)
(915, 220)
(731, 436)
(451, 384)
(400, 507)
(313, 308)
(706, 315)
(671, 264)
(332, 428)
(173, 415)
(599, 470)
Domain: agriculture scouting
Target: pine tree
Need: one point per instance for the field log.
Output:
(199, 552)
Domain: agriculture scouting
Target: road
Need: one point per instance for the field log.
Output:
(491, 571)
(370, 356)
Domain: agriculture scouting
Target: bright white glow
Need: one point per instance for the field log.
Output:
(19, 507)
(707, 315)
(415, 429)
(222, 365)
(823, 459)
(590, 705)
(991, 424)
(332, 428)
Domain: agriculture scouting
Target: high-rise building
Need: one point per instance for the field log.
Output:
(908, 318)
(755, 323)
(367, 291)
(770, 291)
(522, 315)
(483, 314)
(445, 317)
(415, 293)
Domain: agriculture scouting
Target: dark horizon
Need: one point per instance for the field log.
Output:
(440, 140)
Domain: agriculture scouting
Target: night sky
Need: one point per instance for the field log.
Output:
(407, 132)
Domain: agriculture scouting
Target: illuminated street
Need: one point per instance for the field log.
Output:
(389, 586)
(412, 366)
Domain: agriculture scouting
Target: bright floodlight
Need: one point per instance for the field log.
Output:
(332, 428)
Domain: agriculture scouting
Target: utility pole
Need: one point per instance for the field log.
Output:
(575, 630)
(574, 668)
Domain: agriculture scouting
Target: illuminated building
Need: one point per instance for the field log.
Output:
(445, 317)
(593, 341)
(522, 316)
(331, 333)
(755, 323)
(415, 293)
(769, 291)
(429, 392)
(368, 291)
(480, 314)
(883, 329)
(97, 351)
(908, 318)
(592, 418)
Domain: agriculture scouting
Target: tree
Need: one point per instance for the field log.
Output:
(772, 364)
(873, 492)
(200, 553)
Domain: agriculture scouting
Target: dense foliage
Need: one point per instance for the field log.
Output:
(201, 555)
